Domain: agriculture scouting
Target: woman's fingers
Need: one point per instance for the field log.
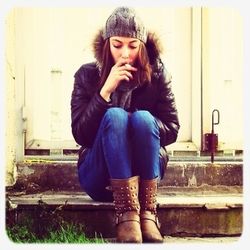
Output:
(125, 75)
(124, 62)
(128, 67)
(121, 62)
(122, 70)
(126, 71)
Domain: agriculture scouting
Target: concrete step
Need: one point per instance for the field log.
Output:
(34, 175)
(182, 212)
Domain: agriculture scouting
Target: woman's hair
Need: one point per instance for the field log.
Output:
(142, 75)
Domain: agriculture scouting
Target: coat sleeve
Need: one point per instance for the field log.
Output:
(87, 109)
(166, 111)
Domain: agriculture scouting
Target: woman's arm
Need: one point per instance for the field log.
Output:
(166, 111)
(87, 106)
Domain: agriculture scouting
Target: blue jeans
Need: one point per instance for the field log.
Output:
(126, 145)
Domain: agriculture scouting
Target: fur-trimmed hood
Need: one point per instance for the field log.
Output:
(153, 46)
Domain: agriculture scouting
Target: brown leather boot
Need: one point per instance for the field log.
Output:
(125, 193)
(149, 221)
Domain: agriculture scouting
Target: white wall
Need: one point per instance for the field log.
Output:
(51, 44)
(222, 74)
(45, 46)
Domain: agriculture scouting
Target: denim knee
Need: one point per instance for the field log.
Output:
(115, 118)
(143, 121)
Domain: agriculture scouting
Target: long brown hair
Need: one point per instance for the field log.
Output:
(143, 73)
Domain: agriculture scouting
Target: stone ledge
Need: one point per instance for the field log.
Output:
(180, 215)
(83, 201)
(61, 175)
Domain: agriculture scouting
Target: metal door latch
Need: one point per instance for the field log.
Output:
(211, 139)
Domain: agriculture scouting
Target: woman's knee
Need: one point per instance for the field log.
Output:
(143, 121)
(115, 118)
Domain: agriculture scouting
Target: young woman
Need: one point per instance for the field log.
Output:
(123, 115)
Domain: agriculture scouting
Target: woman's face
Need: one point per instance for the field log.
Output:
(124, 47)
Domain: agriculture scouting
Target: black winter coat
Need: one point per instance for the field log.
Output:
(88, 107)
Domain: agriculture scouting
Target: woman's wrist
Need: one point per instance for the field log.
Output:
(105, 95)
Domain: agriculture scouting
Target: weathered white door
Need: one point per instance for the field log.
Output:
(223, 75)
(54, 42)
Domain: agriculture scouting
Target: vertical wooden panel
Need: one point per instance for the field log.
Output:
(222, 71)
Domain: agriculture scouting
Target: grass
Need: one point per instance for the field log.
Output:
(66, 233)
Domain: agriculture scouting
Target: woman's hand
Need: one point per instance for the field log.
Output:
(122, 70)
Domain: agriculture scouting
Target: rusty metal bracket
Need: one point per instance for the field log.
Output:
(211, 139)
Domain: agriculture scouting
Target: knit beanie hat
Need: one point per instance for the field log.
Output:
(125, 22)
